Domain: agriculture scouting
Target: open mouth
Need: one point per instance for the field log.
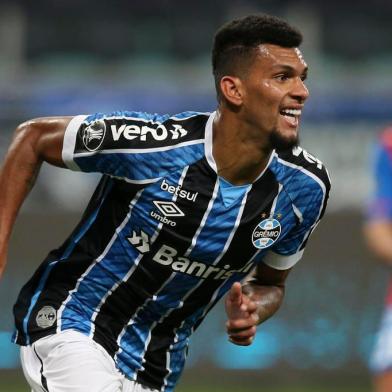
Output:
(291, 116)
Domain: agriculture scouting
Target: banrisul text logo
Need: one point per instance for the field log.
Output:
(93, 135)
(266, 233)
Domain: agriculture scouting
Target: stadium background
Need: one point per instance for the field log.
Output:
(71, 57)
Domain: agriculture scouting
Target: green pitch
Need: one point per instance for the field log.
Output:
(12, 381)
(21, 387)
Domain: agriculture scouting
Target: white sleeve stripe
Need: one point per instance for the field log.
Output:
(139, 150)
(70, 141)
(282, 262)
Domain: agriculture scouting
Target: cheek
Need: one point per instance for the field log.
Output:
(272, 92)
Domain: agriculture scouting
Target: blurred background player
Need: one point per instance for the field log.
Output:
(378, 234)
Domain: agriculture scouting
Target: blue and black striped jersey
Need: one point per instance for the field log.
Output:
(163, 238)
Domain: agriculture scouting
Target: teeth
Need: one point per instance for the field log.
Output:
(292, 112)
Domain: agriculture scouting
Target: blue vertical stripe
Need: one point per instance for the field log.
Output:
(119, 259)
(218, 227)
(73, 242)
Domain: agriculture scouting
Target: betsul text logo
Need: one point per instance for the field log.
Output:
(93, 135)
(179, 191)
(266, 233)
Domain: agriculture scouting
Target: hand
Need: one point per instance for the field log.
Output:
(242, 316)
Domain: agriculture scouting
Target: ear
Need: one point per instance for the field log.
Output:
(232, 89)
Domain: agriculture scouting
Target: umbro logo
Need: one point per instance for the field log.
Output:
(168, 208)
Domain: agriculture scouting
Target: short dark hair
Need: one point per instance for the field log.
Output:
(235, 42)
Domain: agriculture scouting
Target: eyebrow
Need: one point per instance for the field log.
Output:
(290, 69)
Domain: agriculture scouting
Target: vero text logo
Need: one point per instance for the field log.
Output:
(131, 132)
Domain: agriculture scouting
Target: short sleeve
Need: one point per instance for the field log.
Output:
(133, 146)
(380, 205)
(308, 210)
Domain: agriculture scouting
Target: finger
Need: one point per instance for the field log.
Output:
(241, 342)
(245, 333)
(240, 324)
(235, 293)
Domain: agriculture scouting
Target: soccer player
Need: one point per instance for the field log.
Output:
(378, 233)
(189, 207)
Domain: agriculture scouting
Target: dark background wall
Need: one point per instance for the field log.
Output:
(72, 57)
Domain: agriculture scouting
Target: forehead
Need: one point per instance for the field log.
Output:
(274, 56)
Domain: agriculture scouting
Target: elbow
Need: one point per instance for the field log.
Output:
(27, 130)
(27, 135)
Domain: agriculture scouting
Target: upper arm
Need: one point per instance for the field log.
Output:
(45, 136)
(380, 206)
(300, 205)
(378, 225)
(288, 250)
(137, 147)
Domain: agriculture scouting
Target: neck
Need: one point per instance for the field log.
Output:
(240, 152)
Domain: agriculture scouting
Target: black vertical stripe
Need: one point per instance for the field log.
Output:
(130, 295)
(65, 274)
(44, 382)
(259, 201)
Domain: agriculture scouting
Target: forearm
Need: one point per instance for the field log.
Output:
(378, 235)
(17, 176)
(267, 298)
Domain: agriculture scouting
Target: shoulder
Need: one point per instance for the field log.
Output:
(140, 130)
(193, 120)
(385, 141)
(299, 166)
(385, 138)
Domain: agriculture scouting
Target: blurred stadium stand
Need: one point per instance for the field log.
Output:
(72, 57)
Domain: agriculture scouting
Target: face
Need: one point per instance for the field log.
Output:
(274, 93)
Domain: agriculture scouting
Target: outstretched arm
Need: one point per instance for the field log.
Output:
(253, 302)
(34, 142)
(378, 235)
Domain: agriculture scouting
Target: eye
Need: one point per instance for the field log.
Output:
(282, 77)
(304, 77)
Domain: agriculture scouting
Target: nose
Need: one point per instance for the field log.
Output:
(300, 91)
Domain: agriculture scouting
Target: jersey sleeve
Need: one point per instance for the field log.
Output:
(133, 146)
(308, 209)
(380, 206)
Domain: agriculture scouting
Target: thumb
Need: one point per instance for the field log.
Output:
(235, 293)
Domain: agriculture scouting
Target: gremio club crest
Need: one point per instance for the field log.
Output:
(266, 233)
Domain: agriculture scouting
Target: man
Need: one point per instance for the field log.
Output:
(187, 207)
(378, 234)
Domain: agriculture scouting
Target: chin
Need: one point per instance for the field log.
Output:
(283, 142)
